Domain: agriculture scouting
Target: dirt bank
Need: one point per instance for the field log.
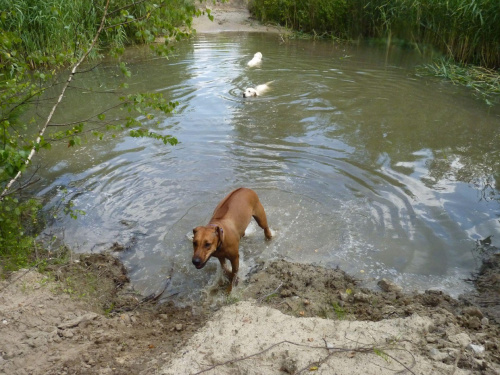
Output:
(84, 318)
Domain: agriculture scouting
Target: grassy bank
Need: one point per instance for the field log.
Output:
(484, 82)
(466, 30)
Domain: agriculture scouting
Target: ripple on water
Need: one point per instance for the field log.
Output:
(358, 162)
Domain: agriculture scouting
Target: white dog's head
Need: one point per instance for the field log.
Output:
(258, 90)
(250, 92)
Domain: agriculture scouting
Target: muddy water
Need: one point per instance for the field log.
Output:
(358, 162)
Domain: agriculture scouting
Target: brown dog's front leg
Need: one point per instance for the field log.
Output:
(233, 279)
(226, 271)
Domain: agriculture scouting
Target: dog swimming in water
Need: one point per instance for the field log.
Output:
(256, 60)
(258, 90)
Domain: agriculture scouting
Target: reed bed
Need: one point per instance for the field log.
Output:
(483, 81)
(468, 31)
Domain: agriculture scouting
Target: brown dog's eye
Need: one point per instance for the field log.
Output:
(207, 245)
(195, 243)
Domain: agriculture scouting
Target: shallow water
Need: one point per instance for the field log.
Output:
(358, 162)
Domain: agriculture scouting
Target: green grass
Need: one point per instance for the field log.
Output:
(339, 311)
(484, 82)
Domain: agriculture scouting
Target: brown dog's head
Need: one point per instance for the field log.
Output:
(206, 240)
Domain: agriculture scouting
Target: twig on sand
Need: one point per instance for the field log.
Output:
(331, 351)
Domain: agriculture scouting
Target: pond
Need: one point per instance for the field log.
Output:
(358, 162)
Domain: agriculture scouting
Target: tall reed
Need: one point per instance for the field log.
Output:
(47, 29)
(466, 30)
(51, 31)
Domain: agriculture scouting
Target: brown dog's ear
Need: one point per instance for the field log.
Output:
(196, 230)
(220, 231)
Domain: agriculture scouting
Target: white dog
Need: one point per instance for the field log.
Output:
(257, 59)
(259, 90)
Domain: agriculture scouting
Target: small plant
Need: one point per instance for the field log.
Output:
(232, 299)
(271, 296)
(68, 287)
(381, 354)
(339, 311)
(108, 310)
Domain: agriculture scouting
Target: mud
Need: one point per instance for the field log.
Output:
(84, 318)
(487, 283)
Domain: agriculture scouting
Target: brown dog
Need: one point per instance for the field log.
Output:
(221, 237)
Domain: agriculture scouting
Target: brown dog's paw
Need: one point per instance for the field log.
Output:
(227, 273)
(232, 284)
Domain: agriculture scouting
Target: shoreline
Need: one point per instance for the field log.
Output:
(231, 16)
(84, 317)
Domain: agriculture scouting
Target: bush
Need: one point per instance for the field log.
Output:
(18, 223)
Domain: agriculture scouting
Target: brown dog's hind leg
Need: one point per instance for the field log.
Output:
(261, 219)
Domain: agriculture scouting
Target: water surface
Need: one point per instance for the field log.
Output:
(358, 162)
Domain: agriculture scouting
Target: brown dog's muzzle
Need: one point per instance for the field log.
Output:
(198, 263)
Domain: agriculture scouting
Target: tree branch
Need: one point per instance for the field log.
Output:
(51, 114)
(127, 22)
(126, 6)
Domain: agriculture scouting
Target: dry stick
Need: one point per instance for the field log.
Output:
(395, 359)
(334, 351)
(150, 298)
(51, 114)
(459, 355)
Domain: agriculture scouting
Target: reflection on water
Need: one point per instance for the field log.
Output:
(358, 163)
